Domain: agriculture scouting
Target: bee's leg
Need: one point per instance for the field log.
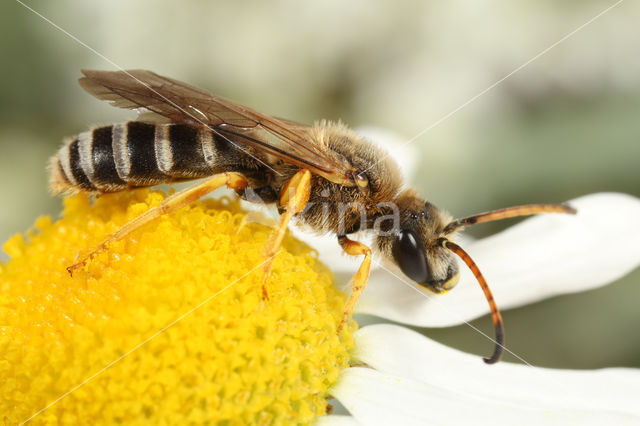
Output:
(170, 204)
(359, 282)
(294, 198)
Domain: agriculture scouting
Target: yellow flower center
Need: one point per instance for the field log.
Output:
(178, 304)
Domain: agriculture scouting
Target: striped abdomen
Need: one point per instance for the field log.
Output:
(116, 157)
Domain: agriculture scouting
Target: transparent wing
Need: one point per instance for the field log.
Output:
(183, 103)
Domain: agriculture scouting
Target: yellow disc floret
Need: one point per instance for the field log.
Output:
(169, 325)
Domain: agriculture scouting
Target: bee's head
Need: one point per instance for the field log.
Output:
(419, 244)
(415, 245)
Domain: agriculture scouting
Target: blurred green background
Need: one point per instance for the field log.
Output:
(563, 126)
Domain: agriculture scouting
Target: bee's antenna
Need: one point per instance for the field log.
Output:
(495, 313)
(509, 212)
(525, 210)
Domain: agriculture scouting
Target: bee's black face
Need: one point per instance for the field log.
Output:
(410, 255)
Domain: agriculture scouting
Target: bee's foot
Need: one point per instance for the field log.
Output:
(75, 266)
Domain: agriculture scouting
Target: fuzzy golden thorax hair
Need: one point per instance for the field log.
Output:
(341, 209)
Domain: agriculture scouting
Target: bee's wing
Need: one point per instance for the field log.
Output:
(183, 103)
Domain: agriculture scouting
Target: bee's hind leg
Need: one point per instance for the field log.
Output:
(294, 197)
(361, 277)
(170, 204)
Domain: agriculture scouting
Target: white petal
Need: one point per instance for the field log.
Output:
(375, 398)
(541, 257)
(437, 370)
(333, 420)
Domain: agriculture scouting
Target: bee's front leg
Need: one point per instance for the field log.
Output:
(170, 204)
(294, 197)
(361, 277)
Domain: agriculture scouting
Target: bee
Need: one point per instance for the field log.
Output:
(325, 175)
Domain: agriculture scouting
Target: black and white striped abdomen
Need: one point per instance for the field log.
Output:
(116, 157)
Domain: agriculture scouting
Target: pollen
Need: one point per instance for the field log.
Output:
(169, 325)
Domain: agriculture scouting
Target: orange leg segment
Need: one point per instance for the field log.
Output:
(170, 204)
(361, 277)
(294, 196)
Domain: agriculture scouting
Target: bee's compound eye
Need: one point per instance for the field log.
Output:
(410, 256)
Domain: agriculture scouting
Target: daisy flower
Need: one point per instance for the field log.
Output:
(169, 325)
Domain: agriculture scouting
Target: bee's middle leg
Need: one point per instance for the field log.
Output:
(361, 277)
(294, 197)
